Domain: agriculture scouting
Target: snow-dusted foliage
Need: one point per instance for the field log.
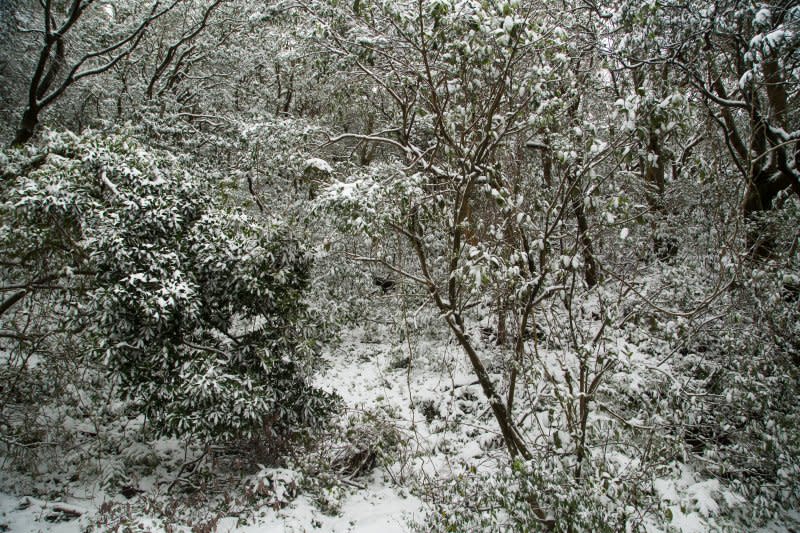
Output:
(196, 309)
(573, 230)
(503, 501)
(558, 240)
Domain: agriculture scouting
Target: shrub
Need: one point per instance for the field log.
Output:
(506, 500)
(195, 309)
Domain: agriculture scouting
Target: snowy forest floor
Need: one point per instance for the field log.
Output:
(414, 416)
(419, 411)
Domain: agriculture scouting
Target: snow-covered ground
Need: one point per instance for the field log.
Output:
(421, 392)
(372, 376)
(377, 509)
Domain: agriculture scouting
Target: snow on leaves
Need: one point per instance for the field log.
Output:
(173, 271)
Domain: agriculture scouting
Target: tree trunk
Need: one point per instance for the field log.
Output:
(762, 190)
(584, 239)
(511, 437)
(27, 125)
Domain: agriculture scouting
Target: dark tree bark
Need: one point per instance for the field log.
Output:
(172, 54)
(44, 89)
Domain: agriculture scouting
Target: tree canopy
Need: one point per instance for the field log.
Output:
(597, 203)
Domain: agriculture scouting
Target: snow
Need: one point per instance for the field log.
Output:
(27, 514)
(687, 522)
(427, 393)
(378, 509)
(319, 164)
(745, 80)
(777, 37)
(360, 372)
(763, 17)
(471, 450)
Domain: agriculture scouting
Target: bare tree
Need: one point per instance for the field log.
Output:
(55, 72)
(177, 54)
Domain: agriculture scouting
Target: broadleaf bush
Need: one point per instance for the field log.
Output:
(194, 309)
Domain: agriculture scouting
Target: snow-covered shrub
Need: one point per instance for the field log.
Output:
(507, 500)
(275, 487)
(349, 450)
(741, 422)
(195, 309)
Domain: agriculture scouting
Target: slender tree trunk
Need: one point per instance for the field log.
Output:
(26, 127)
(763, 188)
(9, 302)
(514, 444)
(584, 239)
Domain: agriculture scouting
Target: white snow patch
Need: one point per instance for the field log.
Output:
(471, 449)
(319, 164)
(378, 509)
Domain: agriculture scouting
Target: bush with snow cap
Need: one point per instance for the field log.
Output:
(195, 309)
